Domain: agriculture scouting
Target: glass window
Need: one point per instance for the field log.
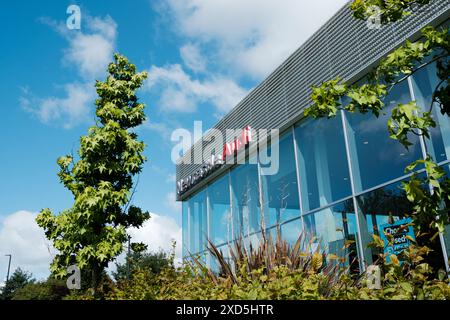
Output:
(336, 231)
(323, 162)
(197, 223)
(291, 231)
(280, 189)
(376, 158)
(387, 205)
(425, 82)
(245, 193)
(253, 240)
(185, 230)
(220, 211)
(381, 206)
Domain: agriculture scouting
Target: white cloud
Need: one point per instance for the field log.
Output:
(252, 36)
(182, 93)
(192, 58)
(226, 40)
(89, 52)
(160, 128)
(158, 233)
(72, 109)
(171, 178)
(26, 241)
(172, 203)
(92, 51)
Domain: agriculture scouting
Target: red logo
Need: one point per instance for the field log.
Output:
(231, 148)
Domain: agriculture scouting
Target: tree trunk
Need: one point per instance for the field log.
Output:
(96, 279)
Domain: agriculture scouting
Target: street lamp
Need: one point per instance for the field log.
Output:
(128, 257)
(9, 266)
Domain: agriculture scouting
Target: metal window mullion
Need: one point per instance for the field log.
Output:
(231, 208)
(425, 155)
(297, 170)
(423, 145)
(208, 227)
(261, 196)
(352, 184)
(328, 205)
(188, 251)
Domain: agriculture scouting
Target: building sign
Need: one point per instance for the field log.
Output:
(401, 232)
(215, 162)
(230, 149)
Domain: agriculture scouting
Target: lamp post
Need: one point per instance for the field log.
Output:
(9, 266)
(128, 257)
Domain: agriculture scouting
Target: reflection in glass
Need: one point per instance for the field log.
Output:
(291, 231)
(220, 211)
(336, 231)
(254, 240)
(245, 193)
(387, 205)
(384, 205)
(280, 191)
(322, 162)
(376, 158)
(197, 223)
(425, 82)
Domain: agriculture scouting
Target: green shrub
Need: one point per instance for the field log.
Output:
(276, 270)
(50, 289)
(18, 280)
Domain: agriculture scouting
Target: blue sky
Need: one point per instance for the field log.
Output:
(202, 56)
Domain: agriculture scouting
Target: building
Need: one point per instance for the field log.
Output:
(338, 179)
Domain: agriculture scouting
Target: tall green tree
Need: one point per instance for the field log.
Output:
(92, 232)
(17, 281)
(407, 119)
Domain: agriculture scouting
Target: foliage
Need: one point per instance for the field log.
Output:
(277, 278)
(16, 281)
(154, 263)
(270, 254)
(92, 232)
(389, 10)
(51, 289)
(428, 207)
(104, 287)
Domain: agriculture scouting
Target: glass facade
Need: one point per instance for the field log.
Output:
(245, 199)
(322, 162)
(280, 190)
(221, 221)
(338, 180)
(424, 82)
(378, 207)
(198, 231)
(334, 229)
(376, 158)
